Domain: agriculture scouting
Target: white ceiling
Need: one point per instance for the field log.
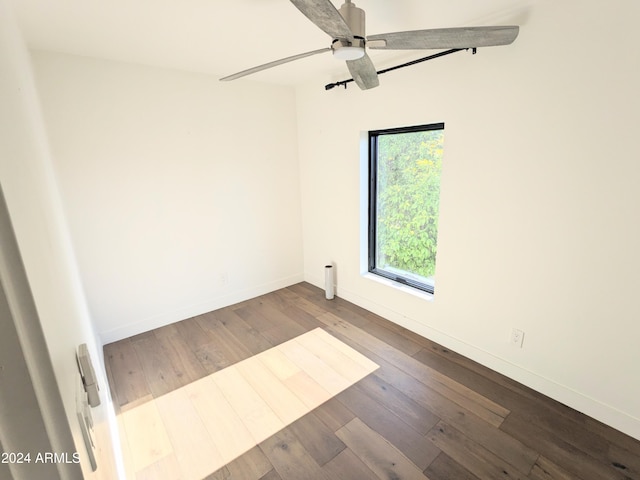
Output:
(222, 37)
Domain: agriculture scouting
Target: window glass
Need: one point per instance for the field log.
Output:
(404, 201)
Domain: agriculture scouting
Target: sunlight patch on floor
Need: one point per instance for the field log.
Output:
(193, 431)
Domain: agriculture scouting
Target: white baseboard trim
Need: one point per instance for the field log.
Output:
(602, 412)
(215, 303)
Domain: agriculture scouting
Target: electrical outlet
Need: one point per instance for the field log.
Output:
(517, 337)
(224, 278)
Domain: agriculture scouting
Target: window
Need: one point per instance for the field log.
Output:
(404, 199)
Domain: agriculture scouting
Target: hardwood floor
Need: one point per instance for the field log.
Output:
(426, 412)
(210, 422)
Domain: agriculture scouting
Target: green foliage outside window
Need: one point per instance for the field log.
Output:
(408, 201)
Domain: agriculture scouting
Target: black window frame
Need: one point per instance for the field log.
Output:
(373, 186)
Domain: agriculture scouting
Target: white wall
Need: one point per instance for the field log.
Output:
(182, 193)
(539, 208)
(33, 202)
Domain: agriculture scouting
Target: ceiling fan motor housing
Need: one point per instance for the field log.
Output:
(351, 48)
(354, 17)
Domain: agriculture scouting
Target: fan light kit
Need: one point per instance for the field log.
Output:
(348, 52)
(346, 27)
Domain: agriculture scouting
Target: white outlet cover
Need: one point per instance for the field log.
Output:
(517, 338)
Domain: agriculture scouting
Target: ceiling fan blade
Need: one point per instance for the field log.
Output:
(465, 37)
(363, 72)
(325, 16)
(273, 64)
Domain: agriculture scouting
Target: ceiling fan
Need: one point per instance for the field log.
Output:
(346, 27)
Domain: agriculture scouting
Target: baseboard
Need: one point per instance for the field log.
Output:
(583, 403)
(215, 303)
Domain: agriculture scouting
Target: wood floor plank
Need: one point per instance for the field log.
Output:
(388, 335)
(583, 431)
(445, 361)
(111, 381)
(250, 465)
(224, 341)
(560, 452)
(130, 384)
(313, 300)
(317, 438)
(328, 378)
(271, 475)
(194, 449)
(181, 356)
(223, 423)
(127, 459)
(284, 403)
(411, 412)
(244, 333)
(386, 324)
(311, 292)
(386, 424)
(289, 457)
(193, 333)
(247, 387)
(309, 307)
(301, 317)
(347, 466)
(278, 299)
(162, 377)
(260, 317)
(146, 435)
(167, 330)
(471, 455)
(345, 364)
(282, 330)
(307, 290)
(307, 389)
(279, 364)
(615, 437)
(349, 352)
(623, 460)
(380, 456)
(545, 469)
(221, 474)
(304, 289)
(334, 414)
(564, 428)
(253, 317)
(212, 357)
(336, 308)
(166, 468)
(478, 404)
(285, 330)
(500, 443)
(287, 297)
(558, 421)
(142, 336)
(255, 413)
(446, 468)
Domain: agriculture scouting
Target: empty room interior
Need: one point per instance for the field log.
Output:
(214, 244)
